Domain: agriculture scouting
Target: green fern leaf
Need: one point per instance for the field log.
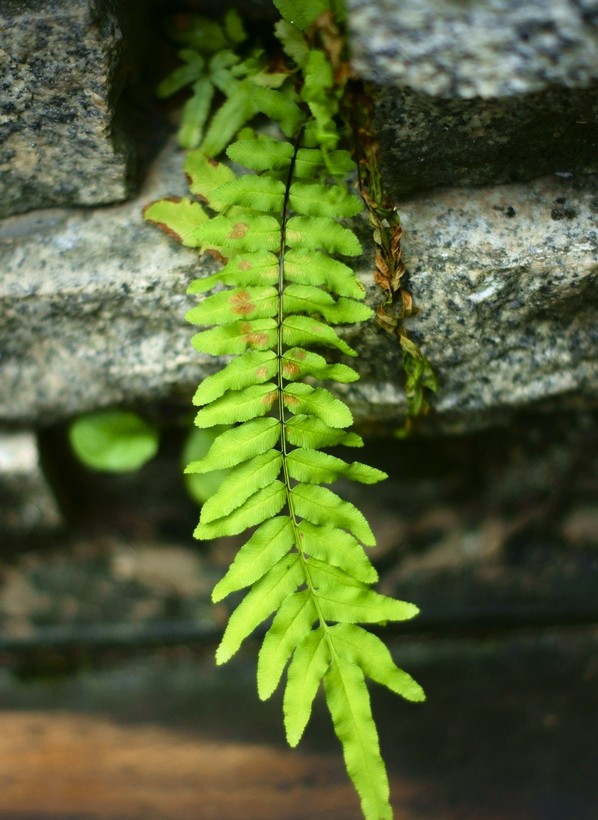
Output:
(255, 192)
(317, 401)
(303, 330)
(279, 106)
(310, 432)
(261, 601)
(240, 483)
(303, 14)
(258, 334)
(312, 163)
(309, 299)
(195, 113)
(332, 201)
(315, 467)
(268, 544)
(205, 175)
(298, 363)
(318, 232)
(325, 575)
(231, 305)
(232, 115)
(263, 154)
(253, 367)
(242, 270)
(367, 651)
(292, 42)
(238, 405)
(291, 624)
(321, 506)
(338, 548)
(352, 605)
(238, 444)
(192, 69)
(349, 704)
(306, 670)
(263, 504)
(178, 218)
(316, 268)
(243, 232)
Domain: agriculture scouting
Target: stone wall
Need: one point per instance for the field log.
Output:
(486, 115)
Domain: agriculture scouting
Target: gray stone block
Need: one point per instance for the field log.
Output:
(62, 71)
(469, 94)
(506, 282)
(92, 306)
(27, 504)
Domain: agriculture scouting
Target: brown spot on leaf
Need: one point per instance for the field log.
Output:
(261, 372)
(241, 303)
(239, 230)
(290, 369)
(270, 398)
(244, 265)
(300, 354)
(290, 401)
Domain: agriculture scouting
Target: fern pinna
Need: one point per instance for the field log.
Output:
(273, 307)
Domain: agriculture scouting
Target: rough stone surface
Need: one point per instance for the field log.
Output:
(62, 70)
(506, 280)
(477, 93)
(27, 504)
(92, 306)
(92, 309)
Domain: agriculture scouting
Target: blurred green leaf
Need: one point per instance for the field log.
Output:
(113, 441)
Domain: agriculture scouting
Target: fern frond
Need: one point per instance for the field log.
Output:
(274, 309)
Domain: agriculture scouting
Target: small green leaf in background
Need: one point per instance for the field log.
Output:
(202, 486)
(113, 441)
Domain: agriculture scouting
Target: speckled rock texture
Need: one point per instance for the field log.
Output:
(27, 504)
(92, 306)
(475, 93)
(62, 70)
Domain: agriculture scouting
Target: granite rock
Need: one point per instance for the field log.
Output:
(27, 504)
(469, 94)
(92, 306)
(506, 281)
(63, 67)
